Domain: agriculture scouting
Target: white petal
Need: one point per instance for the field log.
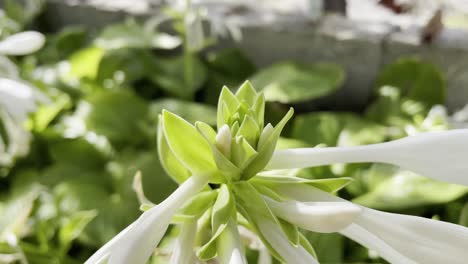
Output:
(223, 140)
(371, 241)
(8, 68)
(397, 237)
(277, 239)
(22, 43)
(183, 248)
(136, 242)
(420, 239)
(439, 155)
(229, 245)
(323, 217)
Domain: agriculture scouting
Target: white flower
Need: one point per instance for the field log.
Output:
(22, 43)
(323, 217)
(397, 238)
(136, 243)
(439, 155)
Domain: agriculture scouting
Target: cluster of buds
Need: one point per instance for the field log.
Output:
(233, 179)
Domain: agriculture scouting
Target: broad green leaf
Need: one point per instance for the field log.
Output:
(45, 114)
(188, 145)
(171, 77)
(259, 162)
(328, 185)
(464, 216)
(62, 44)
(124, 66)
(405, 189)
(190, 111)
(121, 116)
(85, 62)
(289, 82)
(173, 167)
(223, 210)
(79, 151)
(337, 129)
(328, 247)
(416, 80)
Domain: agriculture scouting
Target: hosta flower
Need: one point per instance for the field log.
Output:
(227, 193)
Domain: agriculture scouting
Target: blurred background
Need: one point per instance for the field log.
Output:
(79, 104)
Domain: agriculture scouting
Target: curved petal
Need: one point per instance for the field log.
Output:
(439, 155)
(272, 232)
(22, 43)
(420, 239)
(397, 237)
(183, 249)
(136, 243)
(323, 217)
(229, 246)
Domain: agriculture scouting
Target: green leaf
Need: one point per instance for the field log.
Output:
(289, 82)
(223, 210)
(306, 245)
(45, 114)
(74, 225)
(119, 115)
(404, 189)
(464, 216)
(188, 145)
(416, 80)
(329, 185)
(79, 151)
(190, 111)
(259, 162)
(85, 62)
(62, 44)
(337, 129)
(169, 75)
(173, 167)
(328, 247)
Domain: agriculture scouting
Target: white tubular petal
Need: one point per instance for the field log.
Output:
(183, 248)
(136, 243)
(397, 238)
(280, 243)
(371, 241)
(420, 239)
(323, 217)
(439, 155)
(229, 246)
(22, 43)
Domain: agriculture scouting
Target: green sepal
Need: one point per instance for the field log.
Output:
(188, 145)
(259, 109)
(291, 231)
(234, 128)
(329, 185)
(225, 166)
(197, 205)
(252, 207)
(173, 167)
(223, 210)
(266, 151)
(228, 100)
(304, 242)
(246, 93)
(241, 151)
(249, 130)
